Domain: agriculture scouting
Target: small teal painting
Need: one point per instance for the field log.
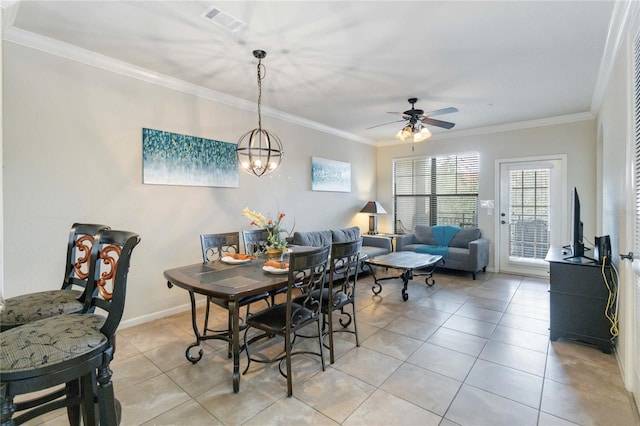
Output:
(330, 175)
(175, 159)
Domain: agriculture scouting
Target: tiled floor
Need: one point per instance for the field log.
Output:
(463, 352)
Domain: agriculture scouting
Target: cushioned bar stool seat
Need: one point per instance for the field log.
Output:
(70, 298)
(27, 308)
(71, 350)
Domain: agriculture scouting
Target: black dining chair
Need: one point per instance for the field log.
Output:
(307, 272)
(341, 289)
(69, 299)
(214, 248)
(255, 244)
(74, 350)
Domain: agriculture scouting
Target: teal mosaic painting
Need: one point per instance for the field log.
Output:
(330, 175)
(175, 159)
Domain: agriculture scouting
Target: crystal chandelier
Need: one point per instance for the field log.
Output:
(259, 151)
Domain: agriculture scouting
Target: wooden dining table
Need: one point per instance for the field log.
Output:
(230, 282)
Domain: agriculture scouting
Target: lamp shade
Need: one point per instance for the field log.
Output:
(373, 207)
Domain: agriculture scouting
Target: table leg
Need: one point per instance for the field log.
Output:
(235, 343)
(195, 330)
(406, 276)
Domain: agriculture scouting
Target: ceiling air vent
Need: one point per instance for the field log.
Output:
(222, 19)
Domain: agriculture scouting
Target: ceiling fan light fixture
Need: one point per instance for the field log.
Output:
(422, 135)
(259, 151)
(405, 133)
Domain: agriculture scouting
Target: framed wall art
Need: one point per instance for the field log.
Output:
(330, 175)
(176, 159)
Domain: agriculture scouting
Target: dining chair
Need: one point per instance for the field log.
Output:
(254, 241)
(69, 299)
(214, 248)
(307, 271)
(74, 350)
(341, 292)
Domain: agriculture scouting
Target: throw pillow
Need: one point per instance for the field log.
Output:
(312, 238)
(345, 234)
(424, 235)
(464, 237)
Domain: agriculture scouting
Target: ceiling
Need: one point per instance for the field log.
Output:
(345, 65)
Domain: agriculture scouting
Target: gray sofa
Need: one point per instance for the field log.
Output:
(372, 246)
(463, 249)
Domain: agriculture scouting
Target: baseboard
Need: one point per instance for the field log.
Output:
(158, 315)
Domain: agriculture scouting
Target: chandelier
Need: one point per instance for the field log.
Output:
(415, 130)
(259, 151)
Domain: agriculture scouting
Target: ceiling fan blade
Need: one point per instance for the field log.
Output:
(378, 125)
(437, 123)
(442, 111)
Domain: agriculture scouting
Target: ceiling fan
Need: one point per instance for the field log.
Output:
(417, 119)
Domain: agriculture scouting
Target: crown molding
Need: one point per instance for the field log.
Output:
(107, 63)
(507, 127)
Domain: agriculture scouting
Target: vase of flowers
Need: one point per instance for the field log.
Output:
(275, 244)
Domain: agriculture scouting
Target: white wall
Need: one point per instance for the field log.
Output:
(577, 140)
(72, 152)
(615, 124)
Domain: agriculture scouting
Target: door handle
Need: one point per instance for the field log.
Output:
(502, 222)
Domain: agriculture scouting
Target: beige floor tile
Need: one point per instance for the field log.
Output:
(257, 392)
(190, 413)
(131, 371)
(159, 336)
(392, 344)
(172, 355)
(441, 304)
(290, 411)
(478, 313)
(425, 314)
(484, 303)
(447, 362)
(584, 406)
(507, 382)
(524, 339)
(431, 391)
(195, 379)
(540, 326)
(386, 409)
(458, 341)
(367, 365)
(473, 406)
(526, 360)
(377, 315)
(137, 405)
(334, 394)
(413, 328)
(471, 326)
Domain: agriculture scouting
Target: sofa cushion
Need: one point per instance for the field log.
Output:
(345, 234)
(435, 250)
(464, 237)
(312, 238)
(424, 235)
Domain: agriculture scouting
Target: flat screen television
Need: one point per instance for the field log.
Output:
(577, 243)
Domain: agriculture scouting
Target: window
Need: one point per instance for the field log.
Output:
(435, 191)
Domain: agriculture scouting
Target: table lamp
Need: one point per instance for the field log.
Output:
(373, 208)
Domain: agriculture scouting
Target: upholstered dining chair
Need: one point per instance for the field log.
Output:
(214, 248)
(307, 270)
(74, 350)
(66, 300)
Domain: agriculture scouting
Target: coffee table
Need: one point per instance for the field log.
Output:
(407, 261)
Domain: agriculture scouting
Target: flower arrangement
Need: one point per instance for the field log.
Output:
(274, 238)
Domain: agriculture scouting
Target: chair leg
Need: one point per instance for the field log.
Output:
(7, 406)
(287, 348)
(106, 397)
(320, 340)
(72, 395)
(355, 323)
(206, 318)
(88, 388)
(331, 353)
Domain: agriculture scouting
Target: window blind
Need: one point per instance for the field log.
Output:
(436, 191)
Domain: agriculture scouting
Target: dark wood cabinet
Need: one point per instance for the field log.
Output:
(580, 300)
